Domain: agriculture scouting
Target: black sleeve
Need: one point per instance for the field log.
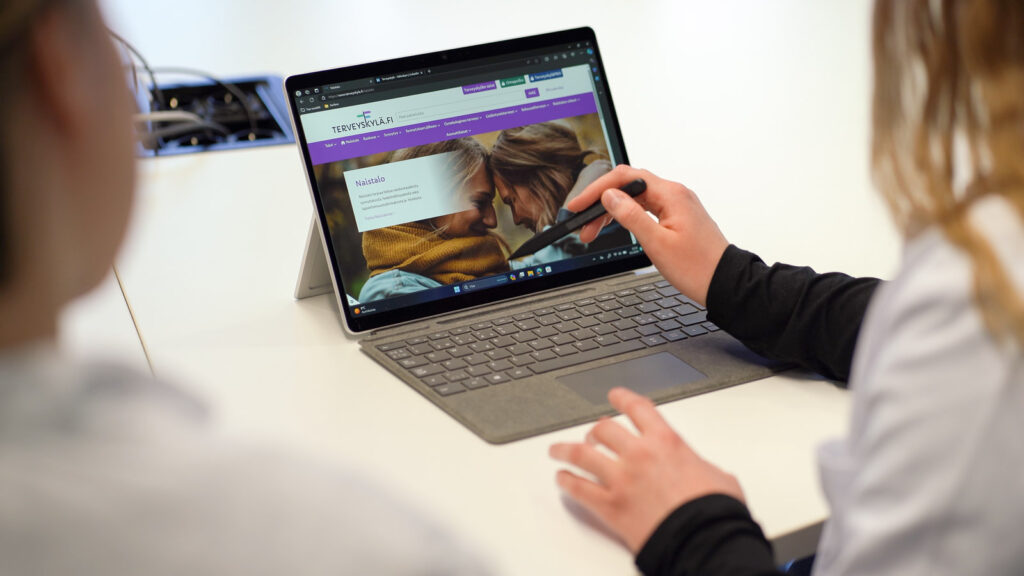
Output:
(788, 313)
(710, 536)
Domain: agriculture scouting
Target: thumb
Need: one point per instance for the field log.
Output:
(630, 214)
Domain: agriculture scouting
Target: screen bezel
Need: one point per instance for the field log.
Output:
(464, 301)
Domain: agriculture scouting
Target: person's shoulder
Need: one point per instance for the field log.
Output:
(117, 472)
(394, 283)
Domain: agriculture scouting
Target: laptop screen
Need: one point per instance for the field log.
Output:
(428, 172)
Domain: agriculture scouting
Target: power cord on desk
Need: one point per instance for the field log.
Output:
(166, 125)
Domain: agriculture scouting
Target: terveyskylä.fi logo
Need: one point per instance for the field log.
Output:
(365, 115)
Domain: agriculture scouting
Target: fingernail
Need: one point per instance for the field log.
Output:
(612, 198)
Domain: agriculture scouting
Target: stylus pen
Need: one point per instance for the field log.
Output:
(558, 231)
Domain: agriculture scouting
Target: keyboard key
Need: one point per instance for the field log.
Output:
(625, 292)
(398, 354)
(607, 317)
(413, 362)
(627, 334)
(503, 342)
(564, 307)
(586, 322)
(454, 364)
(463, 339)
(443, 344)
(645, 319)
(437, 335)
(459, 351)
(644, 288)
(695, 318)
(421, 349)
(497, 378)
(605, 297)
(480, 326)
(435, 380)
(545, 332)
(664, 314)
(563, 339)
(486, 334)
(506, 329)
(563, 327)
(603, 329)
(609, 306)
(648, 297)
(627, 312)
(668, 291)
(449, 389)
(541, 344)
(585, 345)
(428, 370)
(457, 375)
(476, 359)
(565, 350)
(528, 324)
(481, 346)
(684, 309)
(544, 311)
(475, 383)
(668, 303)
(595, 354)
(542, 355)
(662, 283)
(607, 340)
(415, 341)
(589, 310)
(499, 365)
(648, 307)
(624, 324)
(461, 330)
(522, 360)
(584, 302)
(649, 330)
(673, 335)
(391, 346)
(583, 334)
(438, 356)
(503, 320)
(523, 337)
(653, 340)
(517, 373)
(481, 370)
(630, 301)
(710, 326)
(548, 320)
(695, 330)
(519, 349)
(497, 354)
(667, 325)
(568, 315)
(523, 316)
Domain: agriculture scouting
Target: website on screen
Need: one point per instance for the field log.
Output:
(430, 193)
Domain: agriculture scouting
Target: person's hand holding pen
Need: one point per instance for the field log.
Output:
(684, 244)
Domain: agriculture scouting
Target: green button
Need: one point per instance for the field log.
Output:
(515, 81)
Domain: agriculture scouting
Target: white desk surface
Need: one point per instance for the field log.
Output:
(762, 108)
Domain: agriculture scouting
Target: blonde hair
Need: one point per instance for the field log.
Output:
(470, 156)
(544, 160)
(948, 128)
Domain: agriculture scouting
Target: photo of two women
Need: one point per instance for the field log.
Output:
(516, 183)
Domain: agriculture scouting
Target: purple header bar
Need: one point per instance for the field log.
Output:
(481, 87)
(450, 128)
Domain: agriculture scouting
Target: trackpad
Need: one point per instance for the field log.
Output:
(642, 375)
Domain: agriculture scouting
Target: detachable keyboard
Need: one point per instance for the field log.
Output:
(491, 353)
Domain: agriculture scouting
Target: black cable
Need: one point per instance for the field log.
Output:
(157, 93)
(234, 90)
(183, 130)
